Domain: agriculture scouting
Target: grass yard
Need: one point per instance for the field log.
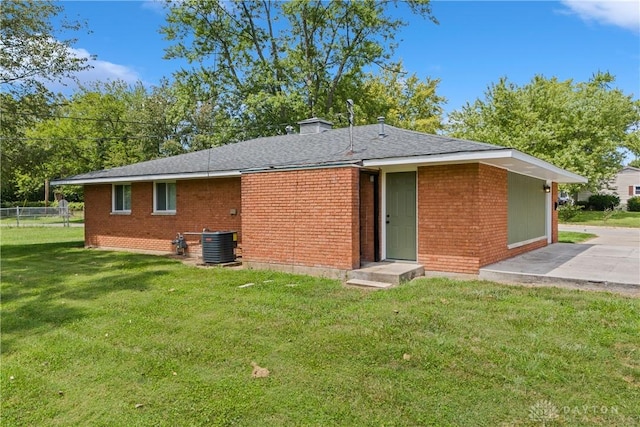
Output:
(115, 339)
(574, 236)
(609, 219)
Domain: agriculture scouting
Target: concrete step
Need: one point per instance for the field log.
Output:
(369, 283)
(388, 272)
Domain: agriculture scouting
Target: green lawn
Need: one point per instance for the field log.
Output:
(610, 219)
(97, 338)
(574, 237)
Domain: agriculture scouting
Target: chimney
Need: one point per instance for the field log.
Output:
(380, 126)
(314, 125)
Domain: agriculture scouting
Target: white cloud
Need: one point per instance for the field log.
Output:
(105, 70)
(156, 6)
(621, 13)
(101, 71)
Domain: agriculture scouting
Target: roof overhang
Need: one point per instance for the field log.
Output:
(510, 159)
(143, 178)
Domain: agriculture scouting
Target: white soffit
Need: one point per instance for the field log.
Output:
(512, 160)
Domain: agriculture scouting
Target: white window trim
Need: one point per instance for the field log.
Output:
(155, 199)
(114, 211)
(636, 190)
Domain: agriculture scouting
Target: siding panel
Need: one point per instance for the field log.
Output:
(526, 208)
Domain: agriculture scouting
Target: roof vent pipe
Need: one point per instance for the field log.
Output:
(380, 126)
(289, 129)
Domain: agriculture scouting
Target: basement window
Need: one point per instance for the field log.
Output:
(164, 197)
(121, 198)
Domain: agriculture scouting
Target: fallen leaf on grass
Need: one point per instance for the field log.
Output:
(246, 285)
(139, 405)
(406, 356)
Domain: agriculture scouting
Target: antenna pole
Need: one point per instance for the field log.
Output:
(350, 109)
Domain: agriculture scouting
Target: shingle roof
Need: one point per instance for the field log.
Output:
(328, 147)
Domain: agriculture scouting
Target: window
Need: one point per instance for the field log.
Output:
(164, 197)
(637, 190)
(121, 198)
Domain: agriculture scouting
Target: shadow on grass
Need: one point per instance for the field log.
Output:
(43, 285)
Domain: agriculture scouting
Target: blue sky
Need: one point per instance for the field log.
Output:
(475, 44)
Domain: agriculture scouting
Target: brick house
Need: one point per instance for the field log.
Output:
(326, 201)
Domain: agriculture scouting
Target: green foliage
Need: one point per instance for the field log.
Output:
(635, 163)
(100, 126)
(633, 204)
(601, 202)
(583, 203)
(577, 126)
(109, 338)
(32, 51)
(568, 211)
(404, 101)
(258, 66)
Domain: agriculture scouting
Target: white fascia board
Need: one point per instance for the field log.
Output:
(482, 157)
(142, 178)
(469, 156)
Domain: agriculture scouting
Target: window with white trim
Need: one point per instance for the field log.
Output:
(164, 197)
(636, 190)
(121, 199)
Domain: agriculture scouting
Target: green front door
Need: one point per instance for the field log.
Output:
(401, 216)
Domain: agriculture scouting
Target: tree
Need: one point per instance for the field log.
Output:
(577, 126)
(101, 126)
(270, 63)
(31, 54)
(30, 51)
(404, 101)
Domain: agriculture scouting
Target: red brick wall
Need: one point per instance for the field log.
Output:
(304, 218)
(492, 209)
(367, 217)
(199, 204)
(447, 219)
(462, 218)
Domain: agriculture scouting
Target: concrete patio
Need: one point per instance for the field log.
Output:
(609, 262)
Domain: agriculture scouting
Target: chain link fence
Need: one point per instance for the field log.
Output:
(21, 216)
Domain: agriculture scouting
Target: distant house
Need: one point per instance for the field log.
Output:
(626, 184)
(325, 201)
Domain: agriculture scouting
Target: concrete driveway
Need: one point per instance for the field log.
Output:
(609, 262)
